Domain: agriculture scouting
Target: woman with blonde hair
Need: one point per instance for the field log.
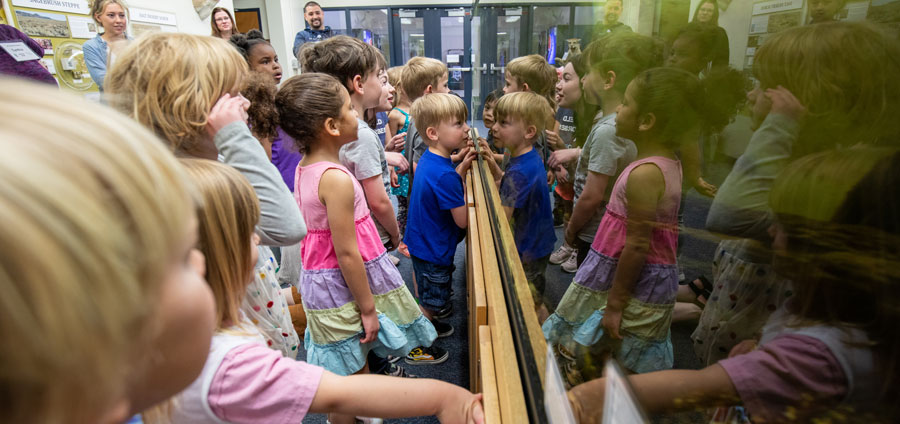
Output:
(186, 88)
(103, 306)
(222, 24)
(111, 15)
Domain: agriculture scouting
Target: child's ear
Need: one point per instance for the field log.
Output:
(357, 84)
(530, 131)
(610, 81)
(331, 127)
(431, 133)
(525, 87)
(429, 89)
(646, 122)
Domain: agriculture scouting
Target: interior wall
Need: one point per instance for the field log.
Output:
(185, 15)
(263, 15)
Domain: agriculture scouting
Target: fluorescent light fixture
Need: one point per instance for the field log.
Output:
(416, 35)
(512, 19)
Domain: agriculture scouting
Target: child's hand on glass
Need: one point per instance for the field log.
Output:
(461, 407)
(228, 109)
(370, 326)
(468, 154)
(785, 103)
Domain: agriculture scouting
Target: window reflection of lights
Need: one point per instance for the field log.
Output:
(510, 19)
(501, 33)
(416, 35)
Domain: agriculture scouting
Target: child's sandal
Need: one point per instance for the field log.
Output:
(703, 293)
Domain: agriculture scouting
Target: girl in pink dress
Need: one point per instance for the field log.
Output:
(624, 292)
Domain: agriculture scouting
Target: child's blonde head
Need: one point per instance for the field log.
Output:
(99, 6)
(431, 110)
(534, 71)
(169, 82)
(529, 107)
(420, 72)
(845, 73)
(227, 217)
(93, 207)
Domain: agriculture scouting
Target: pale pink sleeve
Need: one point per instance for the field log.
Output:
(256, 384)
(791, 371)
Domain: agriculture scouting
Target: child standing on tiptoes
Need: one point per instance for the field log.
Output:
(624, 292)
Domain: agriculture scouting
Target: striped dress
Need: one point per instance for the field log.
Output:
(334, 327)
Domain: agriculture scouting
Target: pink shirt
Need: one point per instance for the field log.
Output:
(255, 384)
(793, 371)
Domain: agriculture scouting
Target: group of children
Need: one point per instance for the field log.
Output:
(173, 265)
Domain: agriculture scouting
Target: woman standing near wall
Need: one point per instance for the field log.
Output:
(222, 24)
(112, 16)
(707, 14)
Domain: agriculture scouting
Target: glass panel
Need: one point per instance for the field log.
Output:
(584, 25)
(412, 37)
(476, 70)
(509, 33)
(337, 20)
(371, 26)
(453, 50)
(548, 37)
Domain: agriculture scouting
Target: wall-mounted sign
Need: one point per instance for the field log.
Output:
(773, 6)
(151, 16)
(71, 6)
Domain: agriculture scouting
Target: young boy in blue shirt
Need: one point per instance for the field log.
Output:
(437, 213)
(519, 119)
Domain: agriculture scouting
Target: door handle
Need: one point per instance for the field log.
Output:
(497, 68)
(459, 69)
(482, 68)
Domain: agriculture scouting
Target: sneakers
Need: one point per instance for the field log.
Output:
(562, 254)
(444, 313)
(426, 356)
(398, 371)
(403, 249)
(571, 264)
(443, 329)
(394, 260)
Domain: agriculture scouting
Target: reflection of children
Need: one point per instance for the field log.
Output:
(523, 187)
(624, 291)
(533, 73)
(824, 10)
(832, 350)
(398, 125)
(243, 380)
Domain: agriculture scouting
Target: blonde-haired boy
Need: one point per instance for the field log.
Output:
(533, 74)
(519, 118)
(421, 76)
(437, 209)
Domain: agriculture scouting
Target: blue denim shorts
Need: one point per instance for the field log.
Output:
(433, 281)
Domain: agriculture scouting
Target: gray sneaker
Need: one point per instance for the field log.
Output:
(562, 254)
(571, 264)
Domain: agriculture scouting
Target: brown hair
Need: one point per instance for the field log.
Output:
(537, 73)
(215, 28)
(170, 81)
(625, 53)
(431, 110)
(260, 89)
(340, 56)
(420, 72)
(305, 102)
(227, 218)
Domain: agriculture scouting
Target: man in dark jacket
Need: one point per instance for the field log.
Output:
(315, 30)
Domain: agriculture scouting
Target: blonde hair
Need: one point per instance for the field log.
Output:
(534, 70)
(844, 73)
(420, 72)
(169, 82)
(93, 207)
(531, 108)
(227, 218)
(215, 27)
(98, 6)
(433, 109)
(394, 74)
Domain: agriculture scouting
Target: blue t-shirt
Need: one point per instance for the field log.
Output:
(524, 188)
(431, 232)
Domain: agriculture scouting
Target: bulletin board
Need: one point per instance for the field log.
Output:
(61, 27)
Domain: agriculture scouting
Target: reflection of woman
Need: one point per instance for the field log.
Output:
(222, 24)
(707, 13)
(110, 14)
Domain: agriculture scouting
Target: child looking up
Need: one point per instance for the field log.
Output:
(624, 292)
(354, 297)
(832, 351)
(437, 209)
(209, 121)
(421, 76)
(524, 194)
(243, 380)
(533, 73)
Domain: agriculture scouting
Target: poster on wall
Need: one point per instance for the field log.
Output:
(773, 6)
(82, 27)
(151, 16)
(47, 63)
(759, 24)
(42, 24)
(782, 21)
(71, 6)
(46, 44)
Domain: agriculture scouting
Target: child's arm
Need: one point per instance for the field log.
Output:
(660, 392)
(554, 141)
(280, 221)
(591, 198)
(461, 213)
(489, 158)
(643, 191)
(364, 395)
(336, 193)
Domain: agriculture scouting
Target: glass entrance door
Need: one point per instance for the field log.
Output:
(500, 33)
(439, 33)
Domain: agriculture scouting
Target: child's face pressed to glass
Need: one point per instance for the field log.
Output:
(263, 59)
(453, 133)
(509, 132)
